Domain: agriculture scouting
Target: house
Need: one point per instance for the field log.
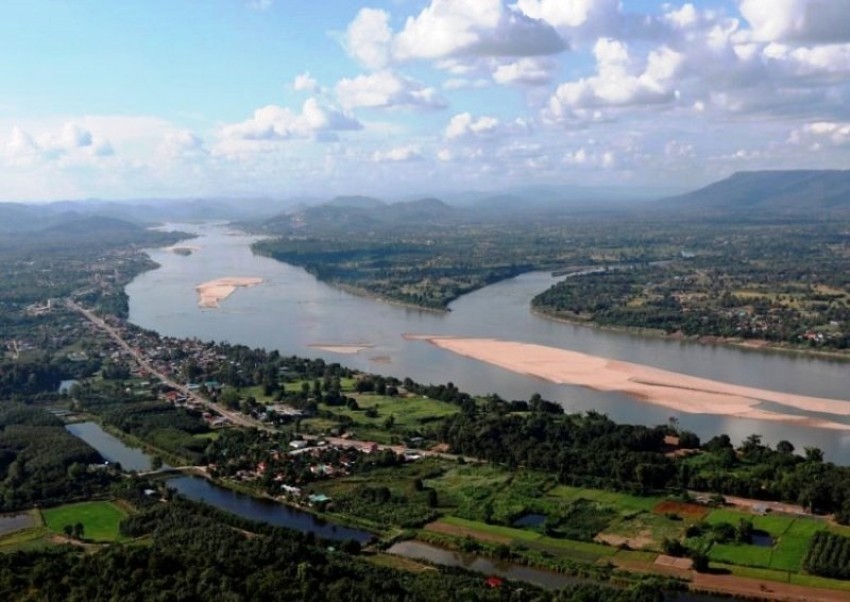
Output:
(494, 582)
(369, 447)
(299, 444)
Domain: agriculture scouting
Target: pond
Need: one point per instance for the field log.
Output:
(530, 520)
(763, 539)
(266, 511)
(417, 550)
(9, 523)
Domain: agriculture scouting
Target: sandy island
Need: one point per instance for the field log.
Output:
(680, 392)
(348, 349)
(211, 293)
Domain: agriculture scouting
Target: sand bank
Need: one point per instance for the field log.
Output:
(676, 391)
(211, 293)
(340, 347)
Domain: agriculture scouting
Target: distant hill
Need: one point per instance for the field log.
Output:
(355, 202)
(362, 214)
(770, 194)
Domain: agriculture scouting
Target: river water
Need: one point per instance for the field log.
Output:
(294, 313)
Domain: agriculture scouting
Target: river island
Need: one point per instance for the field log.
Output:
(681, 392)
(210, 294)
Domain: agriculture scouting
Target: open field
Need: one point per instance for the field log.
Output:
(99, 519)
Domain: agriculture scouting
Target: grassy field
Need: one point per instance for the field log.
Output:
(619, 500)
(100, 519)
(406, 411)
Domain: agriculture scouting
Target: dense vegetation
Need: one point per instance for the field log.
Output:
(780, 283)
(829, 556)
(207, 556)
(41, 463)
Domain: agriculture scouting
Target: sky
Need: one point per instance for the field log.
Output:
(397, 98)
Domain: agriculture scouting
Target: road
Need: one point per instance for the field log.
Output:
(234, 417)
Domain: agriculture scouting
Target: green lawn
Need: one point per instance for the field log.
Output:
(100, 519)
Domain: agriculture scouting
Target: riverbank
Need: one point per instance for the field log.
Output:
(672, 390)
(212, 293)
(759, 345)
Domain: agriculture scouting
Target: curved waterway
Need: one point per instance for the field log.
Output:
(296, 314)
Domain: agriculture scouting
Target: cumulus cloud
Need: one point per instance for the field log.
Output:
(182, 144)
(526, 71)
(452, 28)
(583, 157)
(304, 82)
(465, 125)
(272, 123)
(385, 89)
(581, 18)
(819, 21)
(822, 132)
(72, 143)
(368, 38)
(619, 82)
(402, 154)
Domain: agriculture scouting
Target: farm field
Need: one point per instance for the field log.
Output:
(100, 520)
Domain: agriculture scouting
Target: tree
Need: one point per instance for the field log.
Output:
(785, 447)
(156, 462)
(79, 530)
(814, 455)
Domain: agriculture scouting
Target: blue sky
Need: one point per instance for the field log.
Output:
(174, 98)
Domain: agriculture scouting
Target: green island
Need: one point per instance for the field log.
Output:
(713, 265)
(621, 512)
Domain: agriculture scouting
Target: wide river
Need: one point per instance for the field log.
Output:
(294, 313)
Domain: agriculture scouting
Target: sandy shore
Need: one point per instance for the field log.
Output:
(211, 293)
(676, 391)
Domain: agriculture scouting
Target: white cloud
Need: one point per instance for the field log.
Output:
(182, 144)
(593, 16)
(821, 21)
(272, 123)
(585, 158)
(820, 132)
(368, 37)
(465, 125)
(454, 28)
(402, 154)
(618, 82)
(385, 89)
(526, 71)
(304, 82)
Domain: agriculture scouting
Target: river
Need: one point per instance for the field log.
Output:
(294, 313)
(202, 490)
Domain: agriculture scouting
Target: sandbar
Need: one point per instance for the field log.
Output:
(681, 392)
(211, 293)
(344, 348)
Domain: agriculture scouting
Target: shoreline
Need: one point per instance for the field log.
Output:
(213, 292)
(676, 391)
(706, 340)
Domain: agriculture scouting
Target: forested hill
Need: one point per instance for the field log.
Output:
(364, 214)
(770, 194)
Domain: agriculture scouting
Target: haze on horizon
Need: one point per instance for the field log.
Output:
(169, 98)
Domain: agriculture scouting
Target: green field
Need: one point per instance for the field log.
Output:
(406, 411)
(100, 519)
(619, 500)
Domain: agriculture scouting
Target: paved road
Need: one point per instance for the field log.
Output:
(234, 417)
